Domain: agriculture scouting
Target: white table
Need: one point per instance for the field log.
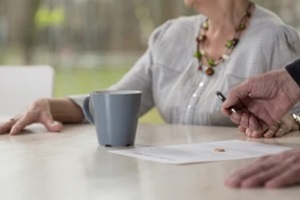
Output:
(70, 165)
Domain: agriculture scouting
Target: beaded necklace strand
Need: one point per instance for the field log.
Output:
(230, 44)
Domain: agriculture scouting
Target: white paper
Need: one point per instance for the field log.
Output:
(202, 152)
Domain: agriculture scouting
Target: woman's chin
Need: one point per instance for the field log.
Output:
(189, 3)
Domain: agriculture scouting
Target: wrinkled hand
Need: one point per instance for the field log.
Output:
(285, 125)
(262, 100)
(37, 112)
(273, 171)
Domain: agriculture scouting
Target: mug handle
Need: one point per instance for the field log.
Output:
(86, 110)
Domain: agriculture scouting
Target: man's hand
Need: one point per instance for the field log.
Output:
(262, 100)
(286, 125)
(271, 171)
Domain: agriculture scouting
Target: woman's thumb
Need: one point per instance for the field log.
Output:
(53, 126)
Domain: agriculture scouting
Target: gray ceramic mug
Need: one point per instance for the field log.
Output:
(115, 115)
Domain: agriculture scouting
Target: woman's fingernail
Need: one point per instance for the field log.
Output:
(54, 123)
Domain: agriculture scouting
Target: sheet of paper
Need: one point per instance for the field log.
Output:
(202, 152)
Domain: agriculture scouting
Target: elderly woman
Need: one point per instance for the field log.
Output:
(187, 61)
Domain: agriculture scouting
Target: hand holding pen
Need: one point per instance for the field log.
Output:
(223, 99)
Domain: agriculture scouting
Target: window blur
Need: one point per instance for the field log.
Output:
(80, 33)
(92, 43)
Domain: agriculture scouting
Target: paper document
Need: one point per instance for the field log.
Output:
(202, 152)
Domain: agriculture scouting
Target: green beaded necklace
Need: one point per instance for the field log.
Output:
(230, 44)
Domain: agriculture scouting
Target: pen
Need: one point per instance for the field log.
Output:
(223, 98)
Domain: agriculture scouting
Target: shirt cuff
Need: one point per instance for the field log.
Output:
(294, 71)
(78, 99)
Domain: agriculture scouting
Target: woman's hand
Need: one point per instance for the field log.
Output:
(36, 112)
(285, 125)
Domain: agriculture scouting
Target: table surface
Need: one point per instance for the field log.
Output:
(71, 165)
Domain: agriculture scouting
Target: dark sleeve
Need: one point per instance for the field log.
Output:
(294, 71)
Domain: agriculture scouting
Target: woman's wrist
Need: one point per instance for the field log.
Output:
(65, 110)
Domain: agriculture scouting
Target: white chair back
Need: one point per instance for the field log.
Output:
(20, 85)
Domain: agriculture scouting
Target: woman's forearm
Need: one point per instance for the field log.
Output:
(65, 110)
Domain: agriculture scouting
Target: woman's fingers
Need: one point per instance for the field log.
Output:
(19, 124)
(6, 126)
(53, 126)
(50, 124)
(47, 120)
(36, 112)
(44, 117)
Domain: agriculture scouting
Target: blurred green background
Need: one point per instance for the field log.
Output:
(82, 81)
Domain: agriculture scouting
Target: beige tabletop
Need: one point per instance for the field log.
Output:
(70, 165)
